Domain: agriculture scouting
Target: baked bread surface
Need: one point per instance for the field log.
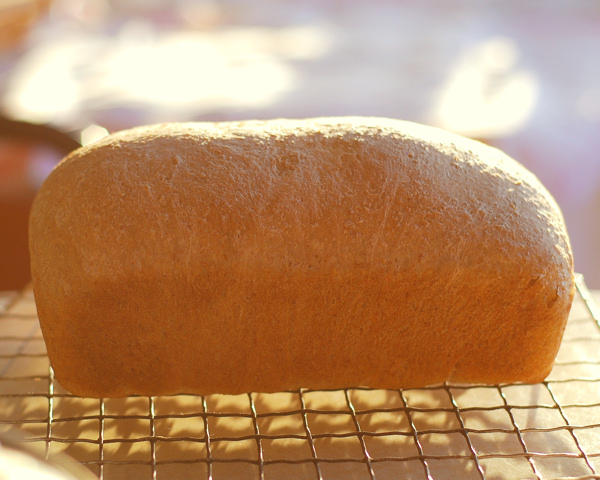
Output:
(274, 255)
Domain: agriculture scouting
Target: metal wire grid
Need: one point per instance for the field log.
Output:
(549, 430)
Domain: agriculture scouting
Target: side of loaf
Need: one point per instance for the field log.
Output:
(322, 253)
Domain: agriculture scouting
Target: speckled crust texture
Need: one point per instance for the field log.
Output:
(321, 253)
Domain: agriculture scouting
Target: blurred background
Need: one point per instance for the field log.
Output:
(520, 75)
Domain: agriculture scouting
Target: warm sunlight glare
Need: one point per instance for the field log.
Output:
(92, 133)
(168, 72)
(488, 94)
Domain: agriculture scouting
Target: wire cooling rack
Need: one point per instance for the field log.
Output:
(549, 430)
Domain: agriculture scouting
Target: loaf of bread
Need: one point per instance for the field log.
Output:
(276, 255)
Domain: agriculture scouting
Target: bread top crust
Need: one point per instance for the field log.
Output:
(329, 193)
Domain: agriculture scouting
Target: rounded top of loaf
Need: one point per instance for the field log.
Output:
(268, 185)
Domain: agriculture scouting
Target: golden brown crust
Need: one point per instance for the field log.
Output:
(322, 253)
